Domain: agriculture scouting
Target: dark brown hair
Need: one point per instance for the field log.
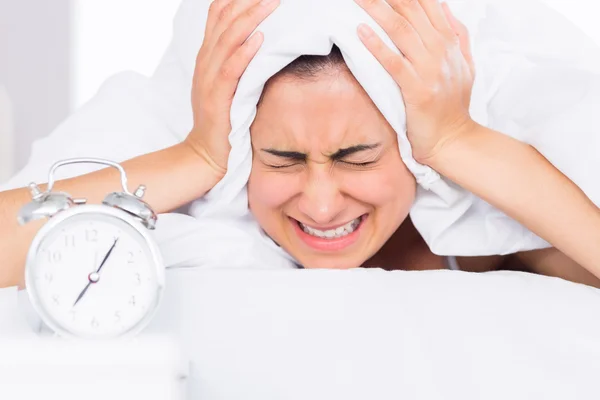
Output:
(311, 66)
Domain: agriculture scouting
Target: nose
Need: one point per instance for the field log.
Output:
(321, 200)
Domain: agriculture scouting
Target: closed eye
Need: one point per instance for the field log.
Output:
(362, 164)
(294, 158)
(281, 166)
(288, 158)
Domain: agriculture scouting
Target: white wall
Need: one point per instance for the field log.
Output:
(54, 55)
(110, 36)
(35, 66)
(584, 13)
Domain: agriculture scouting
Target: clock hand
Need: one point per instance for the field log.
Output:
(94, 276)
(82, 293)
(107, 255)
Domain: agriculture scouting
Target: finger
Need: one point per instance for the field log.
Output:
(233, 69)
(436, 15)
(229, 13)
(463, 34)
(395, 64)
(398, 29)
(214, 11)
(417, 17)
(239, 30)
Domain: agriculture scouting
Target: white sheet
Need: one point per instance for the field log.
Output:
(530, 84)
(371, 334)
(16, 319)
(530, 87)
(149, 368)
(362, 334)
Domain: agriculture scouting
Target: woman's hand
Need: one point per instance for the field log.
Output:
(435, 70)
(223, 58)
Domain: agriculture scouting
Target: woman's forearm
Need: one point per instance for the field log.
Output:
(518, 180)
(174, 177)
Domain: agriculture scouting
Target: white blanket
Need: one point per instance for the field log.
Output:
(531, 85)
(534, 100)
(369, 334)
(383, 335)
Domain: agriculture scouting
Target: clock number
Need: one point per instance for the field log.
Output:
(132, 301)
(56, 299)
(48, 277)
(69, 240)
(117, 317)
(54, 257)
(138, 279)
(130, 258)
(95, 323)
(91, 235)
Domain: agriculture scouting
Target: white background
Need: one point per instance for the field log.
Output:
(115, 35)
(56, 53)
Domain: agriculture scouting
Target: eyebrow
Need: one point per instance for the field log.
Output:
(338, 155)
(342, 153)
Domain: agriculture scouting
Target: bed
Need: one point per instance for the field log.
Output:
(362, 334)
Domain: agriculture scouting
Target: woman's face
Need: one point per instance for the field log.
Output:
(327, 181)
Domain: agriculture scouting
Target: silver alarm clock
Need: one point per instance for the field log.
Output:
(93, 271)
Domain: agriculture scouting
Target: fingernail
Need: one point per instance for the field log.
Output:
(365, 31)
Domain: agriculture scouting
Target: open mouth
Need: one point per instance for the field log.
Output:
(336, 233)
(332, 239)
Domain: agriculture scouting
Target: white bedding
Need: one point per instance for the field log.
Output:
(541, 82)
(371, 334)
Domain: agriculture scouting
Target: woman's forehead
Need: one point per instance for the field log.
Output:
(331, 111)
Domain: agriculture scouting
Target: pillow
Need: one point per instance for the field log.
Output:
(372, 334)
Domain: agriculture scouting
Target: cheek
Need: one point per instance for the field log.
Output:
(389, 187)
(269, 190)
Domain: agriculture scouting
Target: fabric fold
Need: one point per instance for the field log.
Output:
(538, 83)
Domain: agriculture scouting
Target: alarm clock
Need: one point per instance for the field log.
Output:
(93, 271)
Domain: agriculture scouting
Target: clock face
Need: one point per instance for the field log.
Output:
(94, 275)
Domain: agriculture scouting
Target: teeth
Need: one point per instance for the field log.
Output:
(333, 233)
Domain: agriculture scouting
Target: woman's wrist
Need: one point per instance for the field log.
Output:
(209, 172)
(515, 178)
(492, 165)
(175, 176)
(192, 175)
(459, 139)
(217, 170)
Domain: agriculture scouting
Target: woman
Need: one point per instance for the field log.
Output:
(327, 183)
